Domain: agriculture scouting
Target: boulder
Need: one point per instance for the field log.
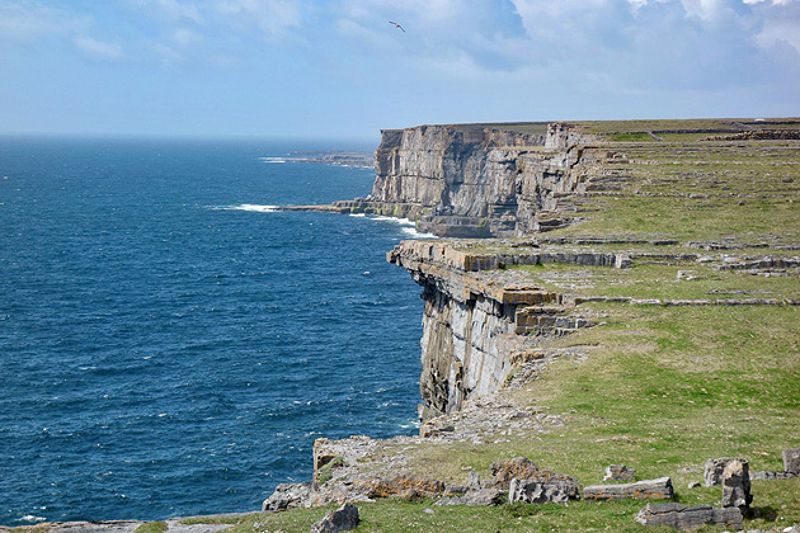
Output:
(770, 476)
(402, 486)
(287, 496)
(736, 485)
(619, 473)
(518, 467)
(791, 460)
(344, 518)
(681, 516)
(712, 474)
(474, 482)
(484, 496)
(543, 491)
(655, 489)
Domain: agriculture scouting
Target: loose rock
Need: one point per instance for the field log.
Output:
(791, 460)
(655, 489)
(619, 473)
(736, 485)
(683, 517)
(403, 486)
(712, 474)
(541, 491)
(344, 518)
(770, 476)
(518, 467)
(287, 496)
(486, 496)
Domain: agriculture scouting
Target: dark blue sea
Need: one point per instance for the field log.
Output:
(168, 344)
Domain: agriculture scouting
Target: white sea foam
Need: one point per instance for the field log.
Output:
(407, 226)
(31, 518)
(393, 220)
(272, 159)
(357, 215)
(256, 208)
(414, 234)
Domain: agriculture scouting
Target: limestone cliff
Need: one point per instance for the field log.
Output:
(478, 180)
(480, 321)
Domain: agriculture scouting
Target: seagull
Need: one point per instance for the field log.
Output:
(398, 26)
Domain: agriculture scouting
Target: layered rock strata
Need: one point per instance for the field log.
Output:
(477, 323)
(481, 180)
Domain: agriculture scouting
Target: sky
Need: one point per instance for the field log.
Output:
(338, 69)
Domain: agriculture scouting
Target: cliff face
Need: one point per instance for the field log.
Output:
(474, 181)
(468, 181)
(479, 322)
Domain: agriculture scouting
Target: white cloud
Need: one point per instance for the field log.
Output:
(274, 18)
(186, 37)
(31, 20)
(99, 49)
(173, 10)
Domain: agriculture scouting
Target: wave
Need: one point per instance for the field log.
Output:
(414, 234)
(407, 226)
(256, 208)
(31, 518)
(393, 220)
(272, 159)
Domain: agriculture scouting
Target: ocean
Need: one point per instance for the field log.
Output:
(169, 344)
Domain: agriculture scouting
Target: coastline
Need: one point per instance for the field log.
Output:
(509, 318)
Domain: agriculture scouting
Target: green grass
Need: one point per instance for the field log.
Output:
(326, 471)
(657, 280)
(401, 517)
(689, 219)
(633, 136)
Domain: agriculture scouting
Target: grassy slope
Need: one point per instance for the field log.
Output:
(664, 388)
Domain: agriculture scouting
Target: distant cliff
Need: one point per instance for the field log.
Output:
(477, 180)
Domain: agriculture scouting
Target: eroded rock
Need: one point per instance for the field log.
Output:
(344, 518)
(619, 473)
(736, 485)
(482, 496)
(791, 460)
(770, 476)
(654, 489)
(681, 516)
(405, 487)
(543, 491)
(518, 467)
(712, 471)
(287, 496)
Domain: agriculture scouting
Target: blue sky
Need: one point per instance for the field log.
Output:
(337, 69)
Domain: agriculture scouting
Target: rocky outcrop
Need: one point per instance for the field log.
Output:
(477, 322)
(344, 518)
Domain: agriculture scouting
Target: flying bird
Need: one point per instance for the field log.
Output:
(398, 26)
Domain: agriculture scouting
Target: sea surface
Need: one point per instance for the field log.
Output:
(170, 345)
